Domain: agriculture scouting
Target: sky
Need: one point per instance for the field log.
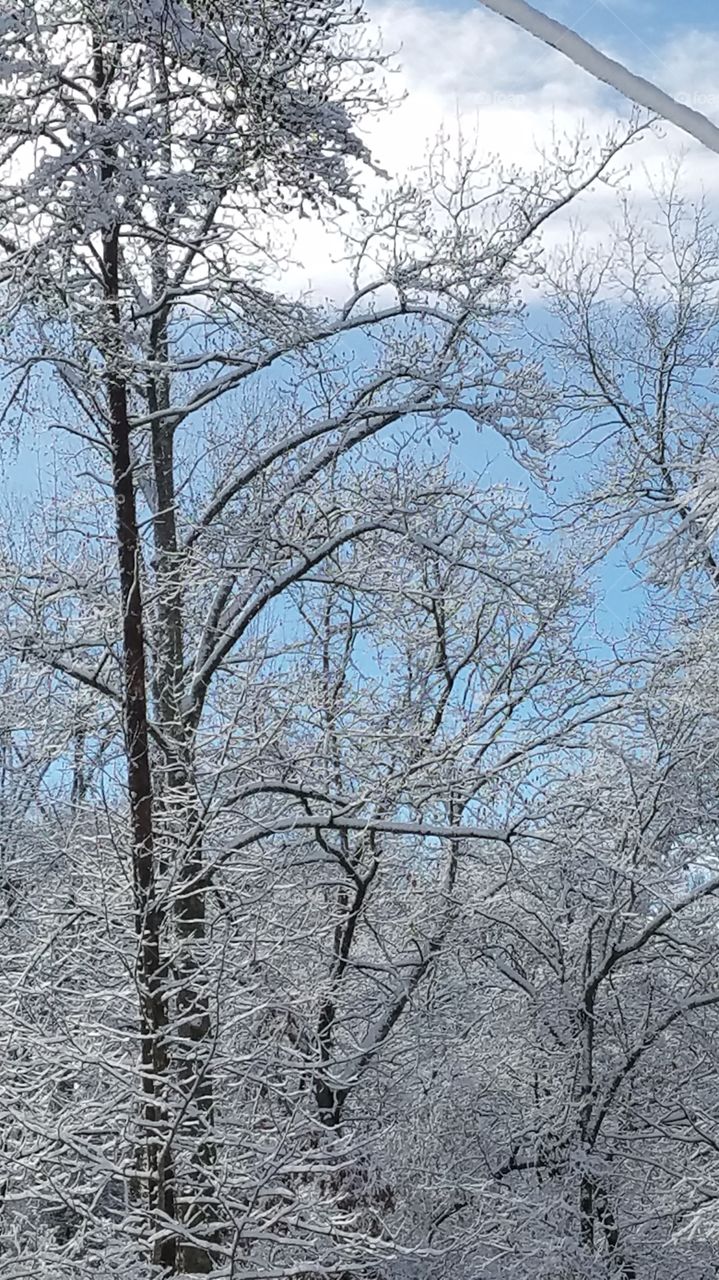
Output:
(465, 69)
(458, 56)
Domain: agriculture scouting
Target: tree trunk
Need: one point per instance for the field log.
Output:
(148, 916)
(179, 828)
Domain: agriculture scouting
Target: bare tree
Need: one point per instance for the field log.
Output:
(637, 346)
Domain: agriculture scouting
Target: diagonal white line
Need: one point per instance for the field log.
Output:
(589, 58)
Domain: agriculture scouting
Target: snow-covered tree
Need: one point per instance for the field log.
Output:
(357, 900)
(256, 452)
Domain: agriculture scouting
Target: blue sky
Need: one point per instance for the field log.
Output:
(466, 70)
(636, 29)
(641, 17)
(499, 75)
(460, 61)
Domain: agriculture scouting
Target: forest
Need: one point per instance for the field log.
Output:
(359, 725)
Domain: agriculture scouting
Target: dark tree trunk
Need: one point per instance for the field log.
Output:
(179, 827)
(148, 916)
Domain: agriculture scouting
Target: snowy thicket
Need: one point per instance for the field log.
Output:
(357, 876)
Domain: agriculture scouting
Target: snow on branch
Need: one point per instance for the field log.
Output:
(339, 822)
(342, 822)
(585, 55)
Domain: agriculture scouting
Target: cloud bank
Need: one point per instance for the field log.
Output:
(464, 72)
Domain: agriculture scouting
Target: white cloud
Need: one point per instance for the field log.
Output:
(465, 71)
